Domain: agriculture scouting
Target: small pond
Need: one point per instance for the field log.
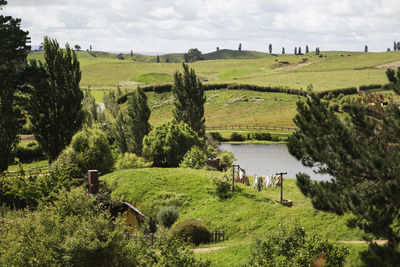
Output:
(268, 160)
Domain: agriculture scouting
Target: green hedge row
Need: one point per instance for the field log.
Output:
(235, 136)
(345, 91)
(29, 151)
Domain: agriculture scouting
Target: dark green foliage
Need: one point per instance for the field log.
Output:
(167, 144)
(89, 150)
(189, 100)
(292, 246)
(55, 104)
(307, 50)
(120, 56)
(270, 48)
(13, 53)
(370, 87)
(158, 59)
(337, 92)
(237, 137)
(136, 121)
(29, 151)
(283, 50)
(222, 186)
(366, 49)
(90, 108)
(240, 47)
(362, 155)
(217, 136)
(110, 100)
(192, 231)
(195, 158)
(167, 216)
(193, 55)
(262, 136)
(131, 161)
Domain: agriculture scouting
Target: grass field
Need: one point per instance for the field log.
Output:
(247, 214)
(331, 71)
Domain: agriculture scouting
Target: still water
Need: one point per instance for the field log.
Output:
(268, 160)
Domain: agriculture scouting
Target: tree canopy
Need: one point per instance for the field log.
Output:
(361, 153)
(189, 100)
(193, 55)
(55, 104)
(14, 49)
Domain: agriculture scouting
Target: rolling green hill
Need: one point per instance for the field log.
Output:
(247, 214)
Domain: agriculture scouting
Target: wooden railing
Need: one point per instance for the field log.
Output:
(255, 127)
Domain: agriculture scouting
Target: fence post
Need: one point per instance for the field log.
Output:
(93, 181)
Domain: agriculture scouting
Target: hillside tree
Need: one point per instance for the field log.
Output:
(55, 104)
(136, 124)
(90, 47)
(14, 49)
(158, 59)
(270, 48)
(398, 45)
(283, 50)
(193, 55)
(295, 50)
(240, 47)
(189, 100)
(361, 153)
(307, 50)
(394, 46)
(77, 47)
(366, 49)
(299, 51)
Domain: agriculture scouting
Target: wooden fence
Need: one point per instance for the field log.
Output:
(254, 127)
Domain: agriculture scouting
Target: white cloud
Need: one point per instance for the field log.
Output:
(168, 25)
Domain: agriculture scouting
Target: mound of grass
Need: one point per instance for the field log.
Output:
(246, 214)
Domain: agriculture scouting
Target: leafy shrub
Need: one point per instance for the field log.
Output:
(131, 161)
(192, 231)
(370, 87)
(222, 186)
(237, 137)
(167, 144)
(227, 159)
(217, 136)
(292, 246)
(262, 136)
(89, 150)
(167, 216)
(195, 158)
(29, 151)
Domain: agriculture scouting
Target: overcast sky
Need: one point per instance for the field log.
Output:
(177, 25)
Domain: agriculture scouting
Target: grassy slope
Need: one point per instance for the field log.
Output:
(330, 72)
(246, 215)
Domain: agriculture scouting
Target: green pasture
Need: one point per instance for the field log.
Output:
(244, 216)
(331, 71)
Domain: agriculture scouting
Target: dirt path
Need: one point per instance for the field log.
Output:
(200, 250)
(294, 66)
(391, 65)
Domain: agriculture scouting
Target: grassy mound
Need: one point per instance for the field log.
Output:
(246, 214)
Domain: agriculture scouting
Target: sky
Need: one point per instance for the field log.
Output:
(166, 26)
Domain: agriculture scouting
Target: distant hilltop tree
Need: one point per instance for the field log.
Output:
(193, 55)
(317, 51)
(299, 51)
(283, 50)
(77, 47)
(398, 45)
(217, 48)
(158, 59)
(90, 47)
(366, 48)
(307, 51)
(120, 56)
(131, 53)
(270, 48)
(240, 47)
(295, 50)
(394, 46)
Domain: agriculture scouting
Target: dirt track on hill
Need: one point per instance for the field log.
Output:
(294, 66)
(392, 65)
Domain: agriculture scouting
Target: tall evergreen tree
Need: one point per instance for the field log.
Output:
(295, 50)
(55, 104)
(366, 49)
(136, 123)
(307, 50)
(270, 48)
(362, 154)
(189, 100)
(299, 51)
(394, 46)
(398, 45)
(13, 53)
(240, 47)
(283, 50)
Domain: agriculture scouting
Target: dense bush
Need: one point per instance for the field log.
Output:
(195, 158)
(292, 246)
(29, 151)
(370, 87)
(192, 231)
(227, 158)
(167, 144)
(337, 92)
(217, 136)
(89, 150)
(131, 161)
(167, 216)
(237, 137)
(262, 136)
(222, 186)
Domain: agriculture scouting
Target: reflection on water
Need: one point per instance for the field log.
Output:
(268, 160)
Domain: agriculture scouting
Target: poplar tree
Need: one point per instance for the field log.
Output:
(55, 104)
(189, 100)
(13, 53)
(295, 50)
(136, 124)
(307, 50)
(283, 50)
(362, 154)
(270, 48)
(394, 46)
(240, 47)
(366, 49)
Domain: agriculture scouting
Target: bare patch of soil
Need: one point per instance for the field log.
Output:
(391, 65)
(200, 250)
